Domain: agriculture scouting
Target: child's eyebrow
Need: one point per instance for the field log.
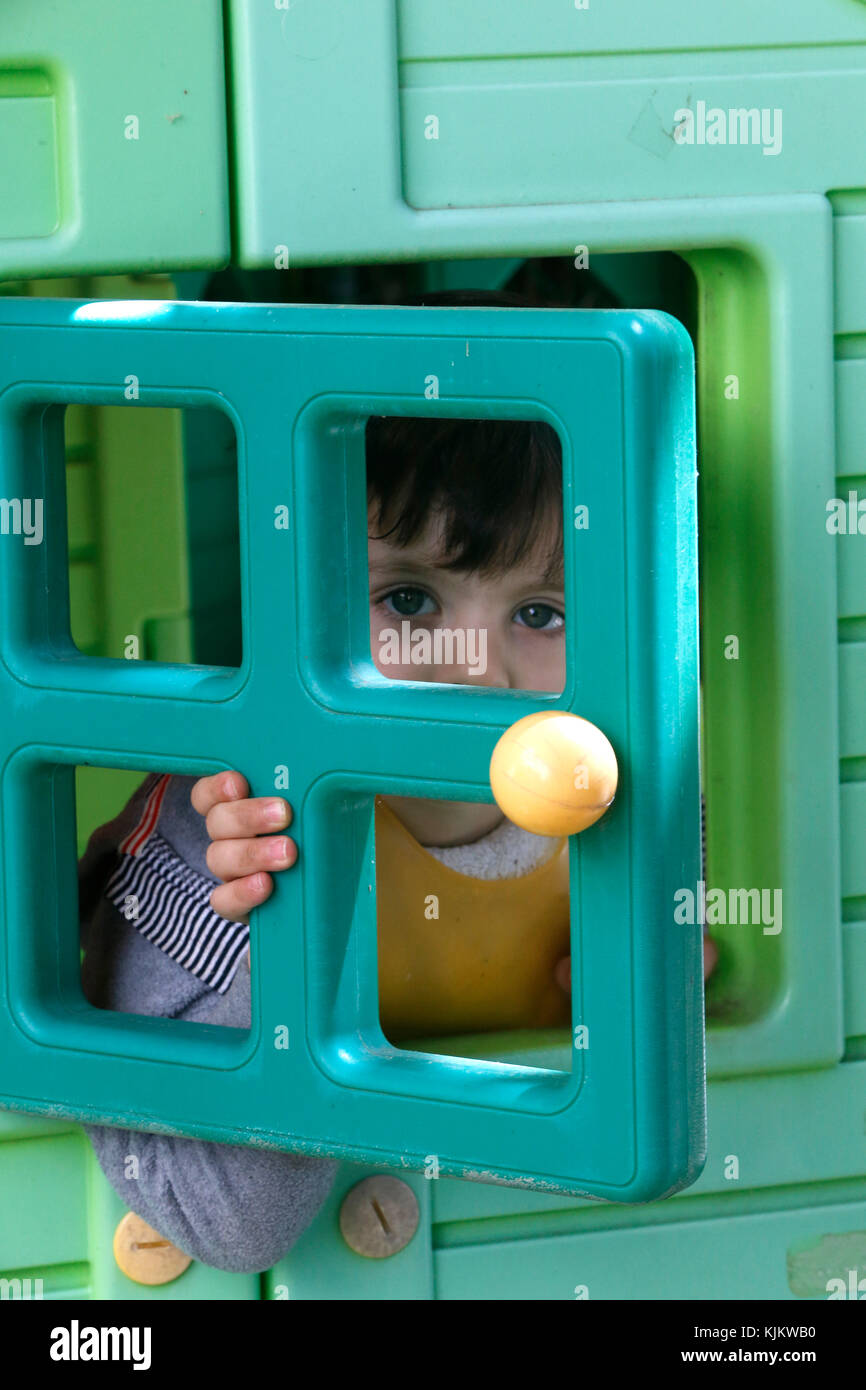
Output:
(551, 577)
(400, 564)
(554, 574)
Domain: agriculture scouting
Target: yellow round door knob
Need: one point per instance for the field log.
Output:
(145, 1256)
(553, 773)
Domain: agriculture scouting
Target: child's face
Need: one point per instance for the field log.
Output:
(505, 630)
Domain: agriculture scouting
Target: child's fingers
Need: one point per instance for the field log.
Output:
(222, 786)
(234, 859)
(258, 815)
(235, 901)
(562, 974)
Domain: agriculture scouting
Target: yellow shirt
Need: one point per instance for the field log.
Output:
(466, 955)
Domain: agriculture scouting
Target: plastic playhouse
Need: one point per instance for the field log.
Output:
(206, 249)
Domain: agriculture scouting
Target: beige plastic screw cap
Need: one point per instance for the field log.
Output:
(145, 1256)
(379, 1216)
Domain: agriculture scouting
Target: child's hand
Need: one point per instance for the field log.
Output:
(562, 972)
(243, 851)
(711, 956)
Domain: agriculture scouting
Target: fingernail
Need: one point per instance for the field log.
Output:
(275, 812)
(278, 852)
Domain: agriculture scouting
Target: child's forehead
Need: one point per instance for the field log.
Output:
(544, 522)
(541, 560)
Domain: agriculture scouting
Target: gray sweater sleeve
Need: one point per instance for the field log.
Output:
(228, 1205)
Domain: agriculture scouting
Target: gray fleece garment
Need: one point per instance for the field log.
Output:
(227, 1205)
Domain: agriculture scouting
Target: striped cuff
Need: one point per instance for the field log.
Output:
(168, 902)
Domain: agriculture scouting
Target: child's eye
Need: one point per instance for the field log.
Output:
(540, 616)
(408, 603)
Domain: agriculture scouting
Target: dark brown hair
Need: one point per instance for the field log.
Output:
(497, 483)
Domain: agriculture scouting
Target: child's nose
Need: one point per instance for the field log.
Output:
(466, 675)
(484, 664)
(496, 676)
